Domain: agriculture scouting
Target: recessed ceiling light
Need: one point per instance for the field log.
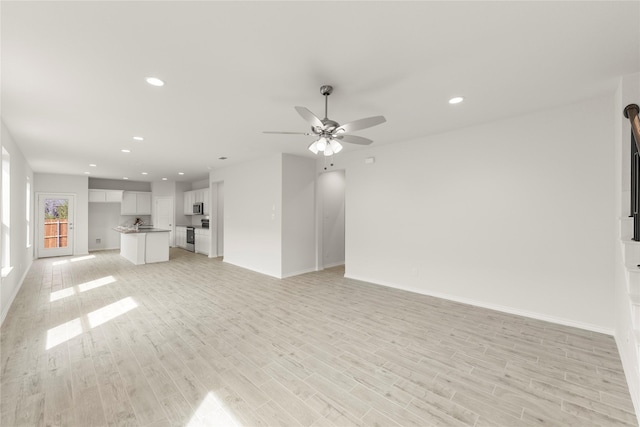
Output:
(124, 177)
(164, 179)
(124, 150)
(222, 158)
(93, 165)
(154, 81)
(138, 138)
(456, 100)
(180, 173)
(145, 173)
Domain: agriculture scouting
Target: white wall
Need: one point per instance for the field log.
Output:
(78, 185)
(513, 215)
(119, 184)
(331, 186)
(298, 215)
(21, 255)
(628, 93)
(198, 185)
(103, 217)
(252, 214)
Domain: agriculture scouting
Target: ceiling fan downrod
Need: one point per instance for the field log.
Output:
(326, 90)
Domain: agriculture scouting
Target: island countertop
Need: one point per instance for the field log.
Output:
(126, 230)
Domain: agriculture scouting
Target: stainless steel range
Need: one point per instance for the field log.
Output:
(191, 239)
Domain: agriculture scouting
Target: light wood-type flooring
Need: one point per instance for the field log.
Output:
(95, 341)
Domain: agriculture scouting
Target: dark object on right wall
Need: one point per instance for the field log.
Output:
(631, 112)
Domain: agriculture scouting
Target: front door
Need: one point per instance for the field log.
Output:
(55, 224)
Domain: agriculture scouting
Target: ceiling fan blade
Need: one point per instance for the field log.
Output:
(310, 117)
(353, 139)
(360, 124)
(287, 133)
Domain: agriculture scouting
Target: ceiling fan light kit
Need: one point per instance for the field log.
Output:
(329, 132)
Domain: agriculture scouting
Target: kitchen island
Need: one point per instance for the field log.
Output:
(145, 245)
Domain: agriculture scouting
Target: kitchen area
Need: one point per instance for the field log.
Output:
(193, 234)
(122, 208)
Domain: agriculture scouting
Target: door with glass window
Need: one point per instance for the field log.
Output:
(55, 224)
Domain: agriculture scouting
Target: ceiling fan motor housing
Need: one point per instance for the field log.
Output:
(326, 89)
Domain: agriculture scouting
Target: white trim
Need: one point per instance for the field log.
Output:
(299, 272)
(501, 308)
(270, 274)
(15, 293)
(37, 218)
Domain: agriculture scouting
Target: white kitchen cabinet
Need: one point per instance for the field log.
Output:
(189, 200)
(143, 203)
(202, 240)
(181, 237)
(196, 196)
(136, 203)
(105, 196)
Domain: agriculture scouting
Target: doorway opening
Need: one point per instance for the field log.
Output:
(55, 224)
(216, 223)
(331, 187)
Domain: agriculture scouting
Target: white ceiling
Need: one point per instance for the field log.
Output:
(73, 89)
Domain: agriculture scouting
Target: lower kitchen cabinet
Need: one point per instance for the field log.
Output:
(202, 240)
(181, 237)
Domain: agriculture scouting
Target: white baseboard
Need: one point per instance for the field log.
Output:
(266, 273)
(15, 293)
(297, 273)
(496, 307)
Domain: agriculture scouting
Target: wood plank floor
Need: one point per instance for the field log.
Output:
(196, 342)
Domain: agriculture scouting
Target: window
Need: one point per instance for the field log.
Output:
(6, 213)
(28, 213)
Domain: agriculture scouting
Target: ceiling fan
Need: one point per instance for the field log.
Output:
(331, 133)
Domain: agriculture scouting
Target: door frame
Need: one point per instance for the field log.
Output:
(39, 219)
(154, 215)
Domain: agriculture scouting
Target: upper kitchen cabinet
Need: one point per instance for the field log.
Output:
(189, 200)
(105, 196)
(136, 203)
(196, 196)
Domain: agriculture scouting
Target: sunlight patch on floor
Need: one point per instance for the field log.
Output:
(111, 311)
(87, 286)
(83, 287)
(66, 331)
(63, 333)
(213, 412)
(64, 261)
(62, 293)
(82, 258)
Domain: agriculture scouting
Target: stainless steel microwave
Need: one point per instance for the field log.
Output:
(198, 209)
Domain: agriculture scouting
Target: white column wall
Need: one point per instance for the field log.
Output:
(298, 215)
(514, 215)
(252, 214)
